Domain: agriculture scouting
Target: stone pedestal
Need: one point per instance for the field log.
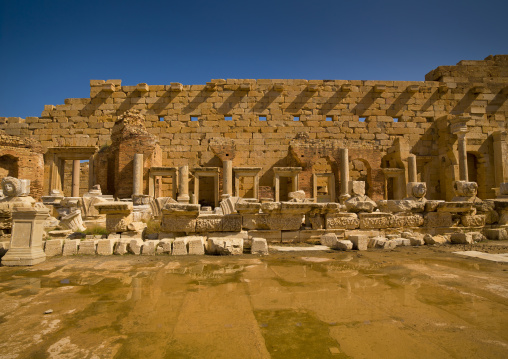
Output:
(26, 240)
(118, 215)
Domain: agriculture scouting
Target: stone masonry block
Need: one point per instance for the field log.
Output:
(53, 247)
(360, 242)
(105, 247)
(88, 247)
(259, 246)
(71, 247)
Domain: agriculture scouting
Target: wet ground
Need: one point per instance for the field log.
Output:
(408, 303)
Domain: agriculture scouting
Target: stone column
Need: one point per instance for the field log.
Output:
(344, 172)
(137, 173)
(411, 166)
(500, 157)
(75, 178)
(227, 178)
(462, 149)
(183, 184)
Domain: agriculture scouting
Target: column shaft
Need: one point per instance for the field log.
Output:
(227, 178)
(75, 178)
(183, 184)
(137, 174)
(344, 171)
(462, 149)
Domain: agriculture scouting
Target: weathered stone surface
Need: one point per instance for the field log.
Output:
(360, 242)
(248, 207)
(225, 245)
(360, 204)
(180, 246)
(70, 247)
(232, 223)
(259, 246)
(298, 196)
(344, 245)
(462, 238)
(377, 220)
(135, 245)
(165, 246)
(121, 246)
(496, 234)
(88, 247)
(357, 188)
(286, 222)
(290, 236)
(342, 221)
(196, 245)
(148, 247)
(438, 219)
(431, 206)
(209, 223)
(178, 224)
(105, 246)
(329, 240)
(416, 190)
(270, 236)
(53, 247)
(435, 240)
(406, 220)
(473, 221)
(465, 191)
(457, 207)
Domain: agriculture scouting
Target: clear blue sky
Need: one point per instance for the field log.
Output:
(49, 50)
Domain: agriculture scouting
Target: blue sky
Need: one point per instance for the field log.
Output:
(49, 50)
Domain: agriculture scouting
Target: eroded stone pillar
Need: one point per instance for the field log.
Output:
(183, 184)
(228, 178)
(75, 178)
(137, 173)
(412, 172)
(462, 149)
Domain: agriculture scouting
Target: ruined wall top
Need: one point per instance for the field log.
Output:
(492, 69)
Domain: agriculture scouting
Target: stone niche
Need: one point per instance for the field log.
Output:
(22, 158)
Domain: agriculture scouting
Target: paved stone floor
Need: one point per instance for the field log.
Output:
(406, 303)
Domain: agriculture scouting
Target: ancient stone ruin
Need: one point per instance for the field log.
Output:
(232, 164)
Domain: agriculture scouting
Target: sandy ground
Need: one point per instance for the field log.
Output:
(423, 302)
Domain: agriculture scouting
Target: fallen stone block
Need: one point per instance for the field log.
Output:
(435, 240)
(225, 246)
(462, 238)
(390, 244)
(134, 246)
(329, 240)
(105, 247)
(164, 246)
(70, 247)
(344, 245)
(375, 241)
(360, 242)
(180, 246)
(148, 247)
(88, 247)
(416, 240)
(496, 234)
(196, 245)
(53, 247)
(259, 246)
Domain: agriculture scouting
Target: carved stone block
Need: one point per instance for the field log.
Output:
(376, 220)
(342, 221)
(407, 220)
(438, 219)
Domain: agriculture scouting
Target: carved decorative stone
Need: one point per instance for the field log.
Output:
(376, 220)
(342, 221)
(118, 215)
(73, 221)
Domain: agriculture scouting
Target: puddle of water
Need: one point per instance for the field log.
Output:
(296, 334)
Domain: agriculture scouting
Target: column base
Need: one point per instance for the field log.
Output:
(184, 198)
(23, 257)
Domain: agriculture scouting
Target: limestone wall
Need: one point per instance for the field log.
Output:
(263, 116)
